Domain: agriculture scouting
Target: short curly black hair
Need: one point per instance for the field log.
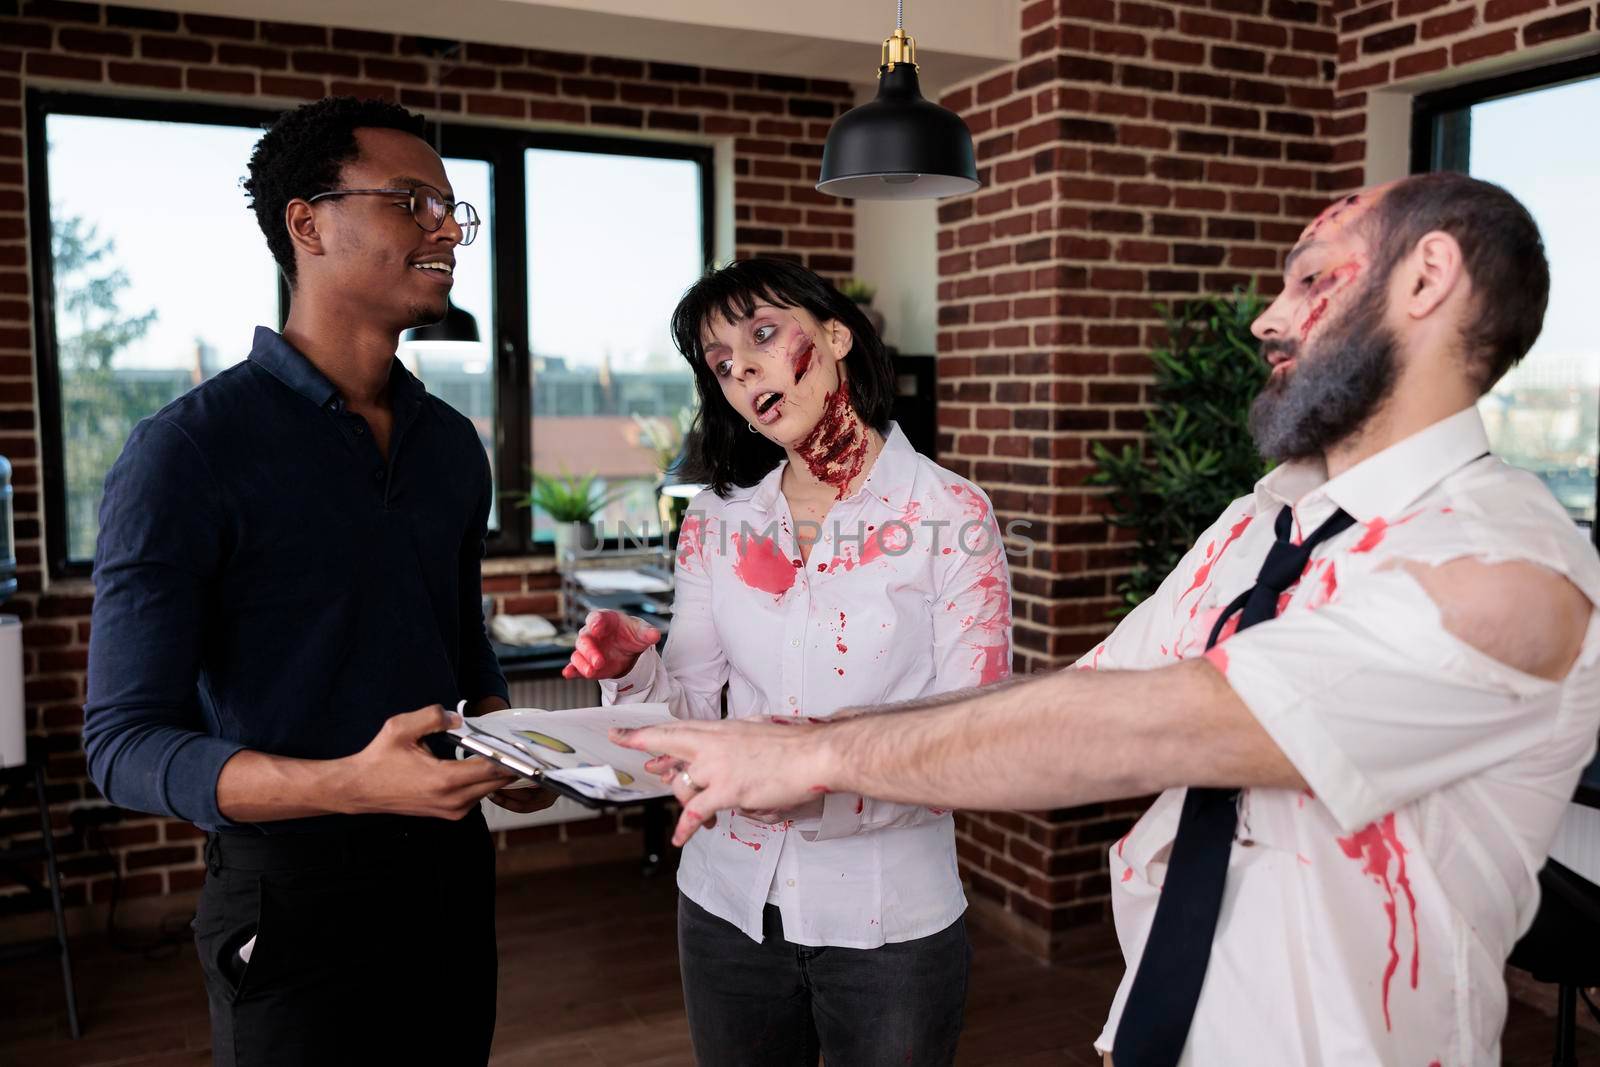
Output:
(303, 153)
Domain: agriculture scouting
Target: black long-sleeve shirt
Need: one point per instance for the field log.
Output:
(264, 579)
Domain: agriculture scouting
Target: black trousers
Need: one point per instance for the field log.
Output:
(372, 946)
(778, 1004)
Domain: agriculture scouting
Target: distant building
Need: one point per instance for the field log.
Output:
(583, 416)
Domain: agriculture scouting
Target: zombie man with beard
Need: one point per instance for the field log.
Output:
(1365, 695)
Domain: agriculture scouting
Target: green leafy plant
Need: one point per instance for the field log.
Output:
(857, 291)
(568, 497)
(1197, 455)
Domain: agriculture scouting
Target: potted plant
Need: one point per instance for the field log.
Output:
(664, 437)
(571, 502)
(860, 293)
(1197, 454)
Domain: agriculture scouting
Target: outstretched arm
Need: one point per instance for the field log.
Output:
(1375, 711)
(1054, 740)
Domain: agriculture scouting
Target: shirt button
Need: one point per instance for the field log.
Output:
(792, 700)
(359, 429)
(377, 475)
(795, 643)
(791, 883)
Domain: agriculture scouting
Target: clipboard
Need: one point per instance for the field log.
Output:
(568, 751)
(529, 770)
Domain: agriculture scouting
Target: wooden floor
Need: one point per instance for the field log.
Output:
(588, 977)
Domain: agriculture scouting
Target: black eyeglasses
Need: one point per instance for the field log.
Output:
(429, 208)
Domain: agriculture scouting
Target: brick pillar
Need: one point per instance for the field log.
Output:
(1138, 153)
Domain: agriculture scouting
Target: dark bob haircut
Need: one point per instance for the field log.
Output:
(304, 152)
(720, 451)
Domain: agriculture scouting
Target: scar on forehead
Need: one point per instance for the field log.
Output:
(1331, 214)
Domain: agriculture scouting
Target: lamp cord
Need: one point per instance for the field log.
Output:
(440, 69)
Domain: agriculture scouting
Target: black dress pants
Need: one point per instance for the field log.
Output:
(779, 1004)
(371, 946)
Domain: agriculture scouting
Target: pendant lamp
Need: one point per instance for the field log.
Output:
(900, 146)
(457, 327)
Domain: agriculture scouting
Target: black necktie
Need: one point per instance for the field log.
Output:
(1155, 1021)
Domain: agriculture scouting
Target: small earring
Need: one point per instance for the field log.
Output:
(751, 427)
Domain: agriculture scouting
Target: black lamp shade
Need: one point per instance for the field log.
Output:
(898, 147)
(457, 326)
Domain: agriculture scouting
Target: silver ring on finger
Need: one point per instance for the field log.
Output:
(683, 776)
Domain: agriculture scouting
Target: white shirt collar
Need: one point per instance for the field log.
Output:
(1383, 484)
(890, 480)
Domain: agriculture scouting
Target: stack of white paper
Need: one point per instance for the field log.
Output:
(600, 580)
(571, 747)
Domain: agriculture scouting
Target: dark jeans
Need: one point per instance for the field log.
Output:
(778, 1003)
(371, 947)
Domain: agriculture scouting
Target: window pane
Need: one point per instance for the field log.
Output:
(461, 373)
(1545, 414)
(142, 312)
(613, 241)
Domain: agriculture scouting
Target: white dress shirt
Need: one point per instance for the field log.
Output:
(1368, 920)
(906, 594)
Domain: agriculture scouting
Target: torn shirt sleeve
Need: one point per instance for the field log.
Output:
(1376, 704)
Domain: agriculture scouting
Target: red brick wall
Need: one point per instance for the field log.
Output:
(1392, 44)
(1139, 152)
(776, 126)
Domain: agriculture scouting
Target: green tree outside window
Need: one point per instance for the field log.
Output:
(99, 405)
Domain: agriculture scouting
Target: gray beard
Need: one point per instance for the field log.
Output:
(1331, 393)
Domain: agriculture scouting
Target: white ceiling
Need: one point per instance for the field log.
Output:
(835, 39)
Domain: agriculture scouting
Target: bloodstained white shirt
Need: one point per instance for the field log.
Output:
(1368, 919)
(906, 594)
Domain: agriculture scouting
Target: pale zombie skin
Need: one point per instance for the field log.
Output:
(794, 390)
(1321, 278)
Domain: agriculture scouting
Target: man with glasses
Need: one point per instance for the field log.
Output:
(287, 599)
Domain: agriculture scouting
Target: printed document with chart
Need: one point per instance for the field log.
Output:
(568, 750)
